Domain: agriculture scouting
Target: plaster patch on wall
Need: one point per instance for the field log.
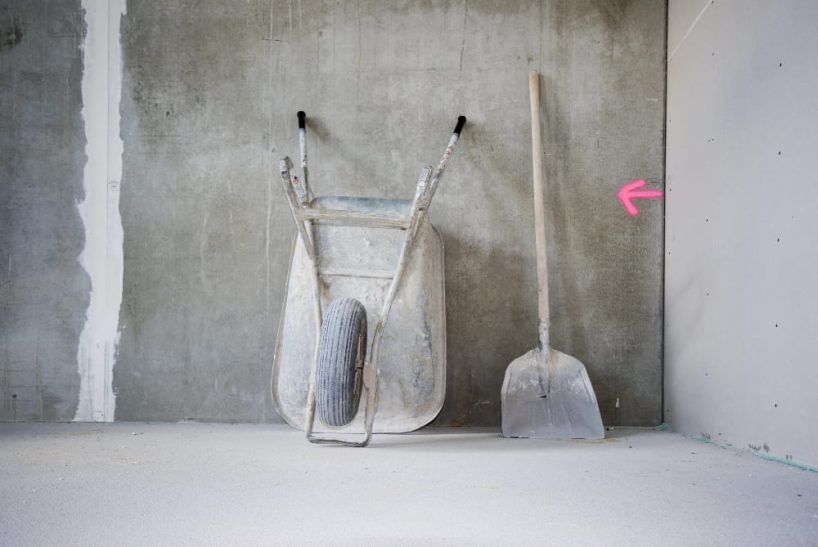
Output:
(102, 256)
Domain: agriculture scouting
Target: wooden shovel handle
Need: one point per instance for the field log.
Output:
(539, 200)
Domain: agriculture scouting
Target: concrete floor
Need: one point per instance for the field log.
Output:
(183, 484)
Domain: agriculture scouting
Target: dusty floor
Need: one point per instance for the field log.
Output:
(197, 484)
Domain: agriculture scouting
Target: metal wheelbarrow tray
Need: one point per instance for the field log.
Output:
(388, 257)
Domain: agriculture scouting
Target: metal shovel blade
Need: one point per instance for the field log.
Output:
(548, 395)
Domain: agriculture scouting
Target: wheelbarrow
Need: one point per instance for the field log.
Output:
(364, 313)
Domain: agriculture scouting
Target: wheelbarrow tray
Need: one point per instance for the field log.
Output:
(360, 262)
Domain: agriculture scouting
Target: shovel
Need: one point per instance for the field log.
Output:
(546, 393)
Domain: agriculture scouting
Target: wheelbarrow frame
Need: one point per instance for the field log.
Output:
(300, 199)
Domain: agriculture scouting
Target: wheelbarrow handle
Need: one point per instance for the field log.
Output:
(302, 146)
(461, 121)
(427, 185)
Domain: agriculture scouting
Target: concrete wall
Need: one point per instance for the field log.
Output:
(741, 270)
(206, 238)
(44, 290)
(209, 89)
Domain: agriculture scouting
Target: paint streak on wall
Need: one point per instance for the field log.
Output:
(102, 256)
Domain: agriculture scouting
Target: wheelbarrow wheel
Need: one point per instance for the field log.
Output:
(341, 352)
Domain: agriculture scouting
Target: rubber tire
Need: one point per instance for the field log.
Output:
(341, 353)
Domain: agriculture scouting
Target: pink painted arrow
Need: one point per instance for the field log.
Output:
(630, 191)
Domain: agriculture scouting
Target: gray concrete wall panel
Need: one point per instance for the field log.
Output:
(44, 291)
(203, 267)
(210, 89)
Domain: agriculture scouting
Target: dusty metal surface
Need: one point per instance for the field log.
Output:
(547, 395)
(370, 217)
(360, 262)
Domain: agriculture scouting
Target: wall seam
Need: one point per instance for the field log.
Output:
(101, 256)
(662, 417)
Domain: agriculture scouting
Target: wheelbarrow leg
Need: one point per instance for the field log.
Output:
(306, 235)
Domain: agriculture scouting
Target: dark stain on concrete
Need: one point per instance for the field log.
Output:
(11, 33)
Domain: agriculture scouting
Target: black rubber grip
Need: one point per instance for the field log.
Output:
(302, 119)
(461, 121)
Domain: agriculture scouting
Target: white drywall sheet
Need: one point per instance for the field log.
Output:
(741, 347)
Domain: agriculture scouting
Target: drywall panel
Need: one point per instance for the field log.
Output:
(210, 92)
(682, 17)
(741, 271)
